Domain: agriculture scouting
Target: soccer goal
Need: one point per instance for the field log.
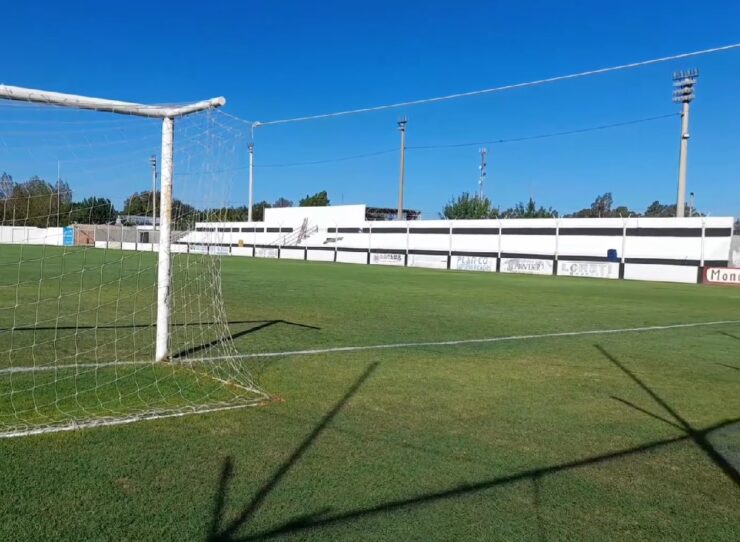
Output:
(108, 314)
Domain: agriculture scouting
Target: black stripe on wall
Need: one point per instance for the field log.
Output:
(664, 232)
(528, 231)
(476, 231)
(475, 254)
(387, 251)
(388, 230)
(445, 231)
(528, 256)
(604, 232)
(422, 252)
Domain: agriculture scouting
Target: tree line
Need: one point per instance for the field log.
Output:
(476, 207)
(37, 202)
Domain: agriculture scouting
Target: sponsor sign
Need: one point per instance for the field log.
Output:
(428, 260)
(473, 263)
(218, 250)
(601, 270)
(526, 265)
(266, 252)
(68, 236)
(385, 258)
(722, 275)
(198, 249)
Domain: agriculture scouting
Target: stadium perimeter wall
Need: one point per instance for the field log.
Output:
(657, 249)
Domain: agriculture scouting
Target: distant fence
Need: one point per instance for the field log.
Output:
(672, 250)
(659, 249)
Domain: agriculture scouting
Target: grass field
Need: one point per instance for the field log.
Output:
(630, 435)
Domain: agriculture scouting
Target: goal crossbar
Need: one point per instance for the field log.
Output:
(167, 114)
(21, 94)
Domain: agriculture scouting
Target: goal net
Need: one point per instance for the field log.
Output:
(108, 315)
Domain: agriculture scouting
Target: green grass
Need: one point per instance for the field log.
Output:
(611, 437)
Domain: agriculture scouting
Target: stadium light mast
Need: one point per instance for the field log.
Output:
(153, 162)
(402, 129)
(683, 93)
(482, 178)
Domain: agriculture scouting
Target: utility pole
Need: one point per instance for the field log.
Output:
(402, 129)
(251, 180)
(153, 162)
(683, 93)
(482, 178)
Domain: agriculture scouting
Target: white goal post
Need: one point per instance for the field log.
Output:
(167, 113)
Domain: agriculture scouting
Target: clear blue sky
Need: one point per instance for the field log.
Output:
(282, 59)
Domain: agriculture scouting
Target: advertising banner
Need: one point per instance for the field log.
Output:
(473, 263)
(68, 236)
(722, 275)
(526, 265)
(600, 270)
(430, 261)
(386, 258)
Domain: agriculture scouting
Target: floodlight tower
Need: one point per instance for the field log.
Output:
(482, 178)
(683, 93)
(153, 162)
(402, 129)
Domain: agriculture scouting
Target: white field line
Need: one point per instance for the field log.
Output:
(377, 347)
(118, 421)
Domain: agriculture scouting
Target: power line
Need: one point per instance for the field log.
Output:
(546, 135)
(503, 87)
(473, 143)
(327, 161)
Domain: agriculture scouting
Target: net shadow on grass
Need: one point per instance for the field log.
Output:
(325, 518)
(228, 531)
(699, 437)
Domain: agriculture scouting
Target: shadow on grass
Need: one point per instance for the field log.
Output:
(215, 342)
(128, 326)
(730, 335)
(226, 533)
(326, 517)
(699, 437)
(728, 366)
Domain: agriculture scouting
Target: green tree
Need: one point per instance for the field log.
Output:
(258, 211)
(529, 210)
(37, 203)
(467, 206)
(92, 210)
(284, 202)
(140, 203)
(319, 199)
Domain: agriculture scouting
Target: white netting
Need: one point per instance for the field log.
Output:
(78, 279)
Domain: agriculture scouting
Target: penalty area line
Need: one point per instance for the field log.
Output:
(465, 341)
(358, 348)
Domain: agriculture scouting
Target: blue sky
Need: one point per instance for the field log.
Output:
(283, 59)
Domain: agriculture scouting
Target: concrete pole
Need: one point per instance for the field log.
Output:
(153, 162)
(251, 180)
(402, 129)
(682, 158)
(163, 267)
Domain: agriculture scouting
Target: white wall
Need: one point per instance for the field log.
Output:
(322, 217)
(665, 249)
(27, 235)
